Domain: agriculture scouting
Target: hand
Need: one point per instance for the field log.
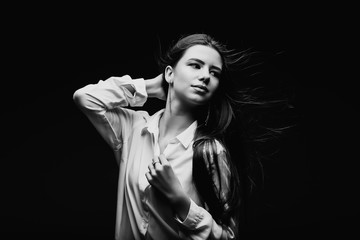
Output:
(162, 177)
(154, 87)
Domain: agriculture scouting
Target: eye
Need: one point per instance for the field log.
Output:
(215, 73)
(195, 65)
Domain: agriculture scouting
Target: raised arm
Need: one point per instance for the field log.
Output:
(104, 104)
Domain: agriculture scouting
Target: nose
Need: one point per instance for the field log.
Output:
(205, 76)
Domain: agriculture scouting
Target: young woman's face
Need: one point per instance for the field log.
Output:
(197, 74)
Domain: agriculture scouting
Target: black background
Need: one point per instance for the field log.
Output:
(58, 179)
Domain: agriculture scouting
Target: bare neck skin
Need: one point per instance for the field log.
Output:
(175, 119)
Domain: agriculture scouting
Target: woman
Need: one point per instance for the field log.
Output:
(176, 177)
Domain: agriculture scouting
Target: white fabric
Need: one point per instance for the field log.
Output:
(133, 137)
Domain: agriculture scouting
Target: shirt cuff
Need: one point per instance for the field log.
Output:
(140, 91)
(140, 95)
(193, 217)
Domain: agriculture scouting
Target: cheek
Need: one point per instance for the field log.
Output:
(215, 85)
(182, 80)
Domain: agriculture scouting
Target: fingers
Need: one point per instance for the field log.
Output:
(156, 167)
(151, 174)
(154, 162)
(151, 169)
(148, 177)
(163, 160)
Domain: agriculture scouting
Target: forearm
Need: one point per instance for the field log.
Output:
(151, 88)
(111, 93)
(154, 87)
(181, 205)
(100, 103)
(201, 225)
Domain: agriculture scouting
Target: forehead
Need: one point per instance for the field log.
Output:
(205, 53)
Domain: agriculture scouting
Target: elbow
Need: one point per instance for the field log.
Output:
(79, 97)
(76, 94)
(86, 101)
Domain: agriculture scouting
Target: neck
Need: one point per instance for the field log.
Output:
(176, 118)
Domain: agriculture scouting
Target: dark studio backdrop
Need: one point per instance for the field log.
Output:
(59, 178)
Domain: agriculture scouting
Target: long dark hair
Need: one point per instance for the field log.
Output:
(216, 126)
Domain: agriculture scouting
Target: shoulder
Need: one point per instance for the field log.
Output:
(220, 148)
(223, 157)
(144, 114)
(145, 119)
(212, 146)
(140, 118)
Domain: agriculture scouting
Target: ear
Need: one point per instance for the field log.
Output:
(169, 74)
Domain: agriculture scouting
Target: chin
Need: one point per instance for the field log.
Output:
(196, 100)
(198, 103)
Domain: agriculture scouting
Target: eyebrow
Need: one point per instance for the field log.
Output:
(202, 62)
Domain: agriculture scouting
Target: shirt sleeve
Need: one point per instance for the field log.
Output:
(199, 224)
(103, 103)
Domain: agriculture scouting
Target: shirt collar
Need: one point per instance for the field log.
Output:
(187, 135)
(152, 125)
(185, 138)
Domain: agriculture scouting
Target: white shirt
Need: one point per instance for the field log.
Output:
(133, 136)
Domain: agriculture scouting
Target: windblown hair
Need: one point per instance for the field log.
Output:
(216, 125)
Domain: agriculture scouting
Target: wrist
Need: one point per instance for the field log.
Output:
(151, 88)
(181, 204)
(154, 87)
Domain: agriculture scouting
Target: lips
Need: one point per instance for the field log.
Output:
(200, 88)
